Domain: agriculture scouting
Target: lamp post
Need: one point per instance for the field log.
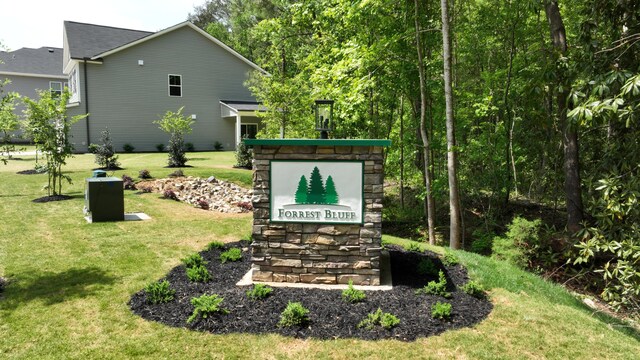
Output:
(324, 117)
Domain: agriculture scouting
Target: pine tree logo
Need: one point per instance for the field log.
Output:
(316, 191)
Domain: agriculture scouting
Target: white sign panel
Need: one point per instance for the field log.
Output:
(317, 191)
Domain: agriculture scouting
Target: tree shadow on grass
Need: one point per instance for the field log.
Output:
(54, 288)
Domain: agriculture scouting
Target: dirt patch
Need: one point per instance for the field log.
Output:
(330, 316)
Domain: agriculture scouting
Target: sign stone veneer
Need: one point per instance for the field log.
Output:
(317, 253)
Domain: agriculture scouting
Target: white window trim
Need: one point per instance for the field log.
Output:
(51, 89)
(74, 78)
(256, 125)
(169, 85)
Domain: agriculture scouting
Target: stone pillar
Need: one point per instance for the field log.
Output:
(318, 253)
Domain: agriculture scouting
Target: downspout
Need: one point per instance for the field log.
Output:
(86, 100)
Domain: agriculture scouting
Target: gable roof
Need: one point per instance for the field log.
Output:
(96, 41)
(44, 62)
(89, 40)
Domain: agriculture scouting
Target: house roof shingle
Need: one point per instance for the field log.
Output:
(41, 61)
(89, 40)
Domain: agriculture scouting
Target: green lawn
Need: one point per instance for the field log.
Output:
(70, 282)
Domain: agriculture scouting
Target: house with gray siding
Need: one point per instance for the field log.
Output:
(126, 79)
(29, 70)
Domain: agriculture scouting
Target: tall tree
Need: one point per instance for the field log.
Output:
(455, 217)
(431, 209)
(573, 193)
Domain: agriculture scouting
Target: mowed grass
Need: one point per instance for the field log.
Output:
(69, 284)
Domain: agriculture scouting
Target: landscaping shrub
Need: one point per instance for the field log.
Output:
(244, 156)
(233, 254)
(128, 183)
(414, 247)
(426, 266)
(353, 295)
(159, 292)
(205, 306)
(259, 292)
(215, 245)
(198, 274)
(449, 259)
(177, 173)
(104, 152)
(203, 204)
(441, 310)
(128, 148)
(519, 244)
(217, 146)
(294, 315)
(245, 205)
(386, 320)
(160, 147)
(194, 260)
(474, 289)
(170, 194)
(144, 174)
(436, 288)
(189, 147)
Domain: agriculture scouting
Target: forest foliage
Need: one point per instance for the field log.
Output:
(527, 76)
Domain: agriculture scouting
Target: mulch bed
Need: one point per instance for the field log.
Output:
(330, 317)
(45, 199)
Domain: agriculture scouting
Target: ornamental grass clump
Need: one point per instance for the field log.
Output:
(385, 320)
(259, 292)
(194, 260)
(294, 315)
(353, 295)
(205, 306)
(198, 274)
(215, 245)
(414, 247)
(159, 292)
(474, 289)
(436, 288)
(233, 254)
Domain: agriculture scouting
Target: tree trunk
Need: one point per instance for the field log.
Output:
(455, 217)
(423, 133)
(573, 193)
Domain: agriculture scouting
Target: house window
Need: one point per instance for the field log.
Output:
(175, 85)
(55, 87)
(248, 130)
(73, 86)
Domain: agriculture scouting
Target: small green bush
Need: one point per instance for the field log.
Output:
(160, 147)
(198, 274)
(189, 147)
(386, 320)
(449, 259)
(294, 314)
(353, 295)
(426, 266)
(217, 146)
(144, 174)
(233, 254)
(159, 292)
(520, 243)
(194, 260)
(215, 245)
(259, 292)
(474, 289)
(128, 148)
(206, 305)
(436, 288)
(244, 156)
(414, 247)
(441, 310)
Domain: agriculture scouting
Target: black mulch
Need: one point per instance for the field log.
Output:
(330, 317)
(45, 199)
